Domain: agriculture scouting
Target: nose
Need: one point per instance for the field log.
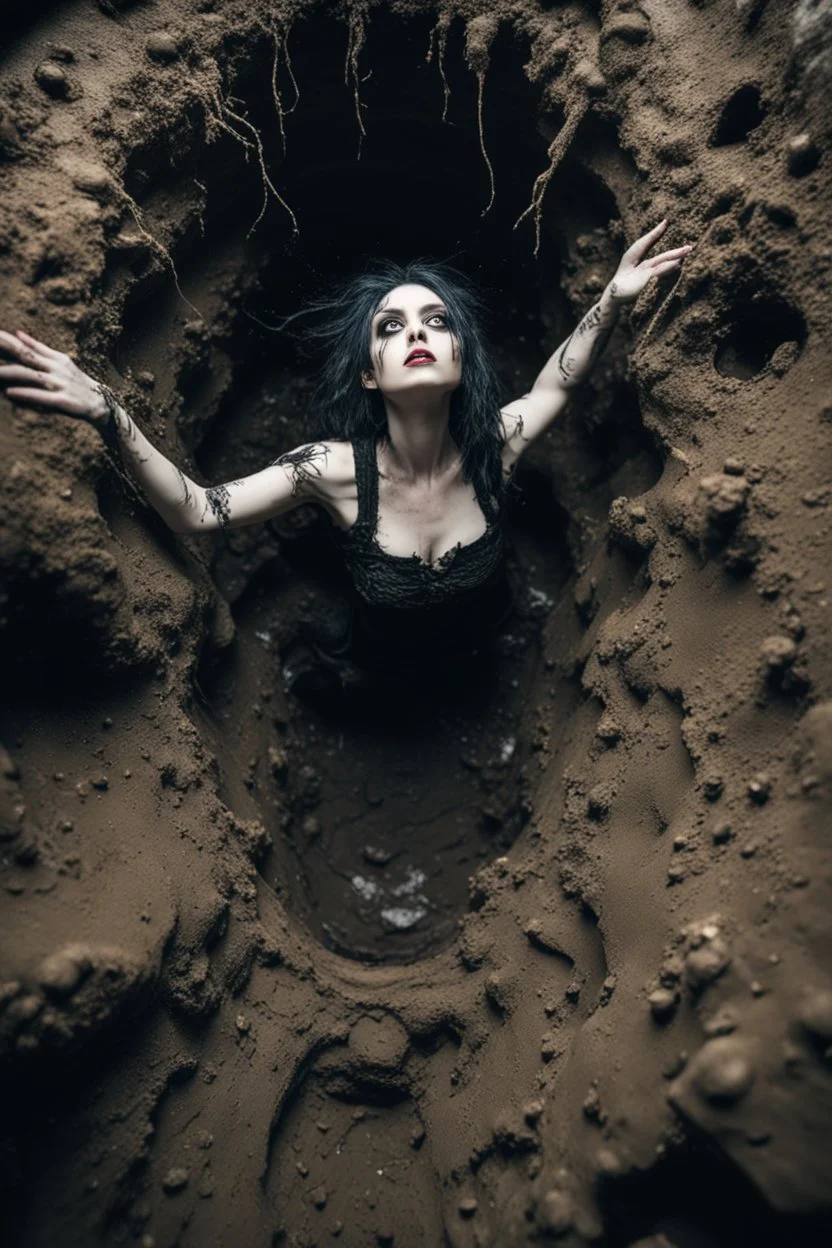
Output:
(415, 332)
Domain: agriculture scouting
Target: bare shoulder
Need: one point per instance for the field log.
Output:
(322, 472)
(340, 465)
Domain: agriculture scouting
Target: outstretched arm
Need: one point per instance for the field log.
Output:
(572, 362)
(50, 379)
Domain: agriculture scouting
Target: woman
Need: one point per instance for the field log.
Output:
(413, 456)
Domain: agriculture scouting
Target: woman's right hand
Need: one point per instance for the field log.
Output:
(50, 379)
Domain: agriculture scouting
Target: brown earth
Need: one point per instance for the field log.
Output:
(543, 957)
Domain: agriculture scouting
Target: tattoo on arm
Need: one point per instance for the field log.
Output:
(305, 464)
(187, 495)
(519, 429)
(119, 428)
(110, 400)
(218, 499)
(593, 323)
(566, 365)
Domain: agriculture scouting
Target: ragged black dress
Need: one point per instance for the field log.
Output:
(405, 610)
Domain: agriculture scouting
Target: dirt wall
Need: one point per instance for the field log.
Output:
(608, 1021)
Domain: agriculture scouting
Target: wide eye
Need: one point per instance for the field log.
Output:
(439, 316)
(383, 325)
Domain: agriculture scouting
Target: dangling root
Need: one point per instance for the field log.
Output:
(155, 244)
(355, 42)
(479, 34)
(556, 152)
(480, 86)
(215, 114)
(440, 34)
(280, 41)
(204, 190)
(266, 179)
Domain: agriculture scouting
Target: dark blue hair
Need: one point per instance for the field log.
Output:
(340, 327)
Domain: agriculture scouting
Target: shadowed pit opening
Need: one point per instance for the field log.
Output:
(382, 809)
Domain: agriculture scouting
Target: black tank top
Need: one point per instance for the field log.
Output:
(401, 601)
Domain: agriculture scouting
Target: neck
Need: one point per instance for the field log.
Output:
(420, 443)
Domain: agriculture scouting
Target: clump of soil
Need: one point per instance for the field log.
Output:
(536, 956)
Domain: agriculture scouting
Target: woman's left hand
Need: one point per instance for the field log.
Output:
(635, 270)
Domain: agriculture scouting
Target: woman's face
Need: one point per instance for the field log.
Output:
(411, 346)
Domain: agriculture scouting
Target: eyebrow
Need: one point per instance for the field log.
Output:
(398, 311)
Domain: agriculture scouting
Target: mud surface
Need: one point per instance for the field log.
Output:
(538, 955)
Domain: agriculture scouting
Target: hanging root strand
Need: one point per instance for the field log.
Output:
(280, 36)
(355, 42)
(479, 34)
(217, 112)
(267, 182)
(439, 35)
(557, 151)
(155, 245)
(480, 89)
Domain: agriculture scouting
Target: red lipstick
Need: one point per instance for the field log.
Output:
(420, 355)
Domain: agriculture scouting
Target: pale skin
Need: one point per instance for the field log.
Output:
(425, 506)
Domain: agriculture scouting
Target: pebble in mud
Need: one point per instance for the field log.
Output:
(759, 788)
(311, 827)
(706, 963)
(467, 1206)
(91, 178)
(61, 973)
(548, 1046)
(608, 730)
(722, 499)
(802, 155)
(175, 1180)
(556, 1213)
(161, 46)
(712, 787)
(722, 832)
(376, 856)
(722, 1071)
(815, 1014)
(52, 79)
(663, 1002)
(532, 1111)
(777, 653)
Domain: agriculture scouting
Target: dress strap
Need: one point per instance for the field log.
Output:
(366, 483)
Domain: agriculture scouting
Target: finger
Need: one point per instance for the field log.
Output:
(23, 394)
(39, 346)
(667, 267)
(16, 347)
(642, 245)
(676, 254)
(17, 372)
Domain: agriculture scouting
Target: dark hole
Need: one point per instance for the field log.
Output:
(758, 329)
(667, 1201)
(741, 114)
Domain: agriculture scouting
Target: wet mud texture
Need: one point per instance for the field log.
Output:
(543, 957)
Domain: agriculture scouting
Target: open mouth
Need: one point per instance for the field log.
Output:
(419, 357)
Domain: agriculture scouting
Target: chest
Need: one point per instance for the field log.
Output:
(427, 520)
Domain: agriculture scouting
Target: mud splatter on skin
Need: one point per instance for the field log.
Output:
(624, 1007)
